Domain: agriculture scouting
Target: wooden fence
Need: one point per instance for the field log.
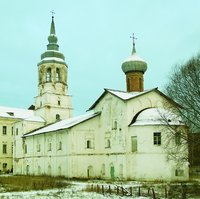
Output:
(154, 192)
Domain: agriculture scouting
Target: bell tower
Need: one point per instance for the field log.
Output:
(134, 68)
(53, 103)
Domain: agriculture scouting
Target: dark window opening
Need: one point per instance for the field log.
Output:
(4, 130)
(157, 138)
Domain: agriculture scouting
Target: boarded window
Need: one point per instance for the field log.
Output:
(133, 143)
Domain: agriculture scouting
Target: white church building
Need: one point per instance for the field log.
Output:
(121, 136)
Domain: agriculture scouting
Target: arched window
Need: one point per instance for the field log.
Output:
(107, 143)
(48, 75)
(57, 75)
(57, 117)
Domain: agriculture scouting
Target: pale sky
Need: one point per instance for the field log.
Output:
(94, 36)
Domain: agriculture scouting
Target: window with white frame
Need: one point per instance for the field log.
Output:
(157, 138)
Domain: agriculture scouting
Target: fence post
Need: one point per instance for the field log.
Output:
(153, 192)
(122, 191)
(148, 192)
(109, 189)
(183, 194)
(131, 191)
(139, 194)
(97, 188)
(92, 187)
(102, 189)
(165, 192)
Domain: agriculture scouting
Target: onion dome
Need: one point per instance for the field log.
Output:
(52, 55)
(134, 63)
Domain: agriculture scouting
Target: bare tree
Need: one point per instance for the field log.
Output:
(184, 88)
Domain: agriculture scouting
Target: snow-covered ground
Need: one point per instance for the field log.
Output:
(75, 192)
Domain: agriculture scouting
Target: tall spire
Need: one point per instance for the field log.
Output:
(52, 53)
(52, 30)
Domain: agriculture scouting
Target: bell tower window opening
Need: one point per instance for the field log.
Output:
(48, 75)
(57, 75)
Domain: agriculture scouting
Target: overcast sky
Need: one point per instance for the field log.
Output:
(94, 36)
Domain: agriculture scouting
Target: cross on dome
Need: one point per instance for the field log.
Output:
(134, 38)
(53, 13)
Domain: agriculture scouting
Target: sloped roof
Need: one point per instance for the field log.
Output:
(125, 96)
(19, 113)
(63, 124)
(157, 116)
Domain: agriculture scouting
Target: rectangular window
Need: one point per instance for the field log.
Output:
(49, 146)
(179, 172)
(4, 165)
(133, 143)
(4, 130)
(4, 148)
(157, 138)
(25, 148)
(12, 148)
(16, 131)
(12, 130)
(108, 144)
(89, 144)
(60, 145)
(38, 147)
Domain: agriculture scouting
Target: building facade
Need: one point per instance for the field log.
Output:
(122, 136)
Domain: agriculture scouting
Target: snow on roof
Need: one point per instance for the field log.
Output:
(121, 94)
(127, 95)
(53, 59)
(134, 57)
(157, 116)
(64, 124)
(19, 113)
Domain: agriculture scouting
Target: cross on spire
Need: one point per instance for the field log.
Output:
(134, 38)
(53, 13)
